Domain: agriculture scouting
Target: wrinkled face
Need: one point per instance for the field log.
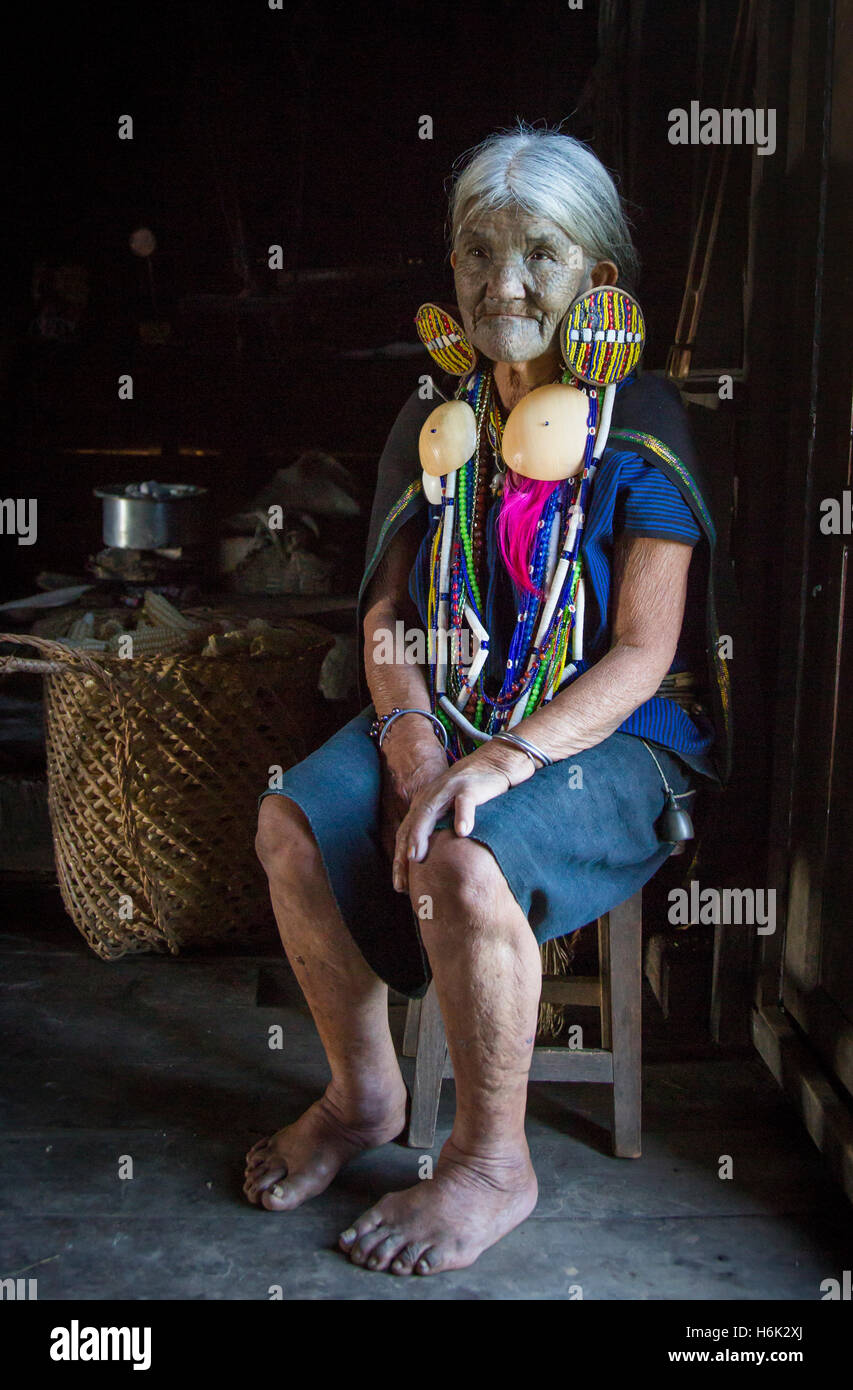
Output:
(516, 275)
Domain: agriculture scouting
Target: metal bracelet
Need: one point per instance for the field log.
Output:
(396, 713)
(529, 748)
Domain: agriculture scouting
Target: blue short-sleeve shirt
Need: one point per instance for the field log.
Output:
(629, 497)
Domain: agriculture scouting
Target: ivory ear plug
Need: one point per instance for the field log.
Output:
(448, 438)
(432, 488)
(546, 433)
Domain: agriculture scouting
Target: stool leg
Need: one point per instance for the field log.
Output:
(625, 932)
(605, 1003)
(410, 1032)
(429, 1070)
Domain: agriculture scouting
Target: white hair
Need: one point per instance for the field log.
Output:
(549, 175)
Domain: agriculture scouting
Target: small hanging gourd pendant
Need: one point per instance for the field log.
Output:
(546, 434)
(448, 438)
(675, 825)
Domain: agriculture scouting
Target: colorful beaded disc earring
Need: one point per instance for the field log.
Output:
(444, 339)
(602, 336)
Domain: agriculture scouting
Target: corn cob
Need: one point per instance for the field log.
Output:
(153, 641)
(164, 614)
(82, 627)
(85, 644)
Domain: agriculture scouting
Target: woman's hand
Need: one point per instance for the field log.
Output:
(410, 764)
(470, 782)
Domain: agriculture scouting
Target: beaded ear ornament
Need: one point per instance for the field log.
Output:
(602, 336)
(445, 340)
(447, 441)
(449, 435)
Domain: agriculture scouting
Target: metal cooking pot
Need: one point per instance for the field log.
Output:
(153, 516)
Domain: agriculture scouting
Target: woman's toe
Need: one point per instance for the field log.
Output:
(266, 1179)
(261, 1179)
(367, 1243)
(405, 1261)
(384, 1252)
(365, 1223)
(277, 1197)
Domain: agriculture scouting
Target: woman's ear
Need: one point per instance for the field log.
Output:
(453, 259)
(603, 273)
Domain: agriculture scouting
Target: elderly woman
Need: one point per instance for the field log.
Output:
(447, 854)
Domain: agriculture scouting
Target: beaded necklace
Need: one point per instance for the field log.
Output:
(534, 669)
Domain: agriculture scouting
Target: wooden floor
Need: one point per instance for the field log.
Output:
(167, 1061)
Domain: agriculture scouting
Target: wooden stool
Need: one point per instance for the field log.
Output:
(617, 992)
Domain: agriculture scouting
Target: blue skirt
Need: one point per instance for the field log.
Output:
(573, 841)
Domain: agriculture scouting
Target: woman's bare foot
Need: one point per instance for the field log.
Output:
(301, 1160)
(447, 1221)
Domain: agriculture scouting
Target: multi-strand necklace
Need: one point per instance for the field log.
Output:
(538, 657)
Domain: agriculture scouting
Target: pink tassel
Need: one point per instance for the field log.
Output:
(522, 504)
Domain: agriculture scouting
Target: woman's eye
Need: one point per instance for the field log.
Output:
(540, 252)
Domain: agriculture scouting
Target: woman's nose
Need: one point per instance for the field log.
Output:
(506, 281)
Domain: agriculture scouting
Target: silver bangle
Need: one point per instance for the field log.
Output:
(427, 715)
(529, 748)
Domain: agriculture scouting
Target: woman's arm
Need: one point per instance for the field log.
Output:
(412, 756)
(650, 588)
(387, 602)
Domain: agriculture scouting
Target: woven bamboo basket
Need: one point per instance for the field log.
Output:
(154, 770)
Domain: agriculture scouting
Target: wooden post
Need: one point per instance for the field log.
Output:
(410, 1033)
(429, 1070)
(625, 932)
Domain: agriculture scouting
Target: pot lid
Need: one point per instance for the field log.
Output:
(150, 491)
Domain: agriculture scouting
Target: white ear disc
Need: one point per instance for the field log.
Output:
(432, 488)
(546, 433)
(448, 438)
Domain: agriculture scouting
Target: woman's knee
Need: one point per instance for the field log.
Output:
(458, 883)
(284, 842)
